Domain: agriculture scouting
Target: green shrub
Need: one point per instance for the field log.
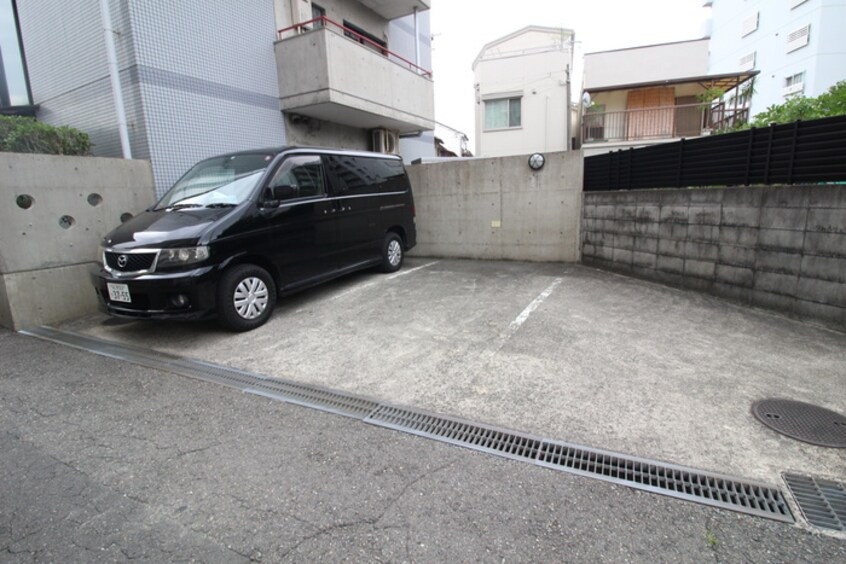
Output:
(828, 104)
(27, 135)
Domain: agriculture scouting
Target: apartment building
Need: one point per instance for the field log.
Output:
(198, 78)
(797, 45)
(522, 84)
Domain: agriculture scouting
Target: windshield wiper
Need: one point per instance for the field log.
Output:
(179, 207)
(221, 205)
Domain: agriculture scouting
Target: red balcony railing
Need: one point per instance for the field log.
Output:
(323, 22)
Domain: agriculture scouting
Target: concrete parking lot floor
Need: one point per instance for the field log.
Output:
(105, 461)
(562, 351)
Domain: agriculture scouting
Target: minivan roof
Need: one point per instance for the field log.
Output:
(325, 150)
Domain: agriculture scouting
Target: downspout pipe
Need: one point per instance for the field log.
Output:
(416, 40)
(114, 75)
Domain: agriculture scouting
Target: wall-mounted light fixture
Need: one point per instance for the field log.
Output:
(536, 161)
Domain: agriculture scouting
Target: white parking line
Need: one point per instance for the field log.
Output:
(360, 287)
(409, 271)
(524, 315)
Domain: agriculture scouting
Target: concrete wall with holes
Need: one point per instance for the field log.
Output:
(499, 208)
(781, 248)
(54, 212)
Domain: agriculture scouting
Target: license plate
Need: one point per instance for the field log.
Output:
(119, 292)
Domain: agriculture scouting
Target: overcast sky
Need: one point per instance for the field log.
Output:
(462, 27)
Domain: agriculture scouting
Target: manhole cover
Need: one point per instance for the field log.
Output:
(803, 421)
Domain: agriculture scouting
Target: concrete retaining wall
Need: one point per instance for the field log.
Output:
(782, 248)
(499, 208)
(47, 248)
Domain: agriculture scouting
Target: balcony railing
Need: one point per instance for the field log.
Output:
(322, 22)
(665, 122)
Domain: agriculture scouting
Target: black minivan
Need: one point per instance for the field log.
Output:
(238, 230)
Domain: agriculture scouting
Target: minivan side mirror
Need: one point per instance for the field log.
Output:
(274, 195)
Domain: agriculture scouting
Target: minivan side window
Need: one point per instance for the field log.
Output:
(355, 176)
(299, 176)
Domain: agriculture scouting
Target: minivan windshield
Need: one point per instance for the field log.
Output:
(217, 182)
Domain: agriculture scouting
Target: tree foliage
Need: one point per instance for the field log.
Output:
(27, 135)
(830, 103)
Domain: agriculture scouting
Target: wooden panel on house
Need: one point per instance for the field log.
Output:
(651, 114)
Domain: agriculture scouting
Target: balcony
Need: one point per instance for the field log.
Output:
(660, 123)
(391, 9)
(329, 72)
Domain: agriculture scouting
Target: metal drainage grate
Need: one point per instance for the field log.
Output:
(653, 476)
(310, 396)
(458, 432)
(803, 421)
(675, 481)
(822, 502)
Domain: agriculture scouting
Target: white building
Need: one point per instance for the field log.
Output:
(799, 46)
(522, 84)
(654, 94)
(205, 77)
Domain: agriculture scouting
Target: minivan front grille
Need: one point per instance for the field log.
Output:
(130, 262)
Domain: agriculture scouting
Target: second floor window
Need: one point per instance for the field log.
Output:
(503, 113)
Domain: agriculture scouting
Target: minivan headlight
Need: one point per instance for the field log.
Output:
(183, 256)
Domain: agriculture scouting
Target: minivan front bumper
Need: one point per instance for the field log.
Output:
(157, 295)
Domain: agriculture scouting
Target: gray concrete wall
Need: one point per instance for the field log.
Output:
(498, 208)
(781, 248)
(44, 260)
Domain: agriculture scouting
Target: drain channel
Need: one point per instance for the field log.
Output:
(276, 388)
(822, 502)
(681, 482)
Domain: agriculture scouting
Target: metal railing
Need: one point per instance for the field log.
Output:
(664, 122)
(322, 22)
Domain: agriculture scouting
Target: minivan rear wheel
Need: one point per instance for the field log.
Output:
(392, 253)
(246, 296)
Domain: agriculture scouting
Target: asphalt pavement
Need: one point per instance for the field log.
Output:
(103, 460)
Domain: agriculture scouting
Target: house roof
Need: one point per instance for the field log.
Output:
(723, 81)
(648, 46)
(519, 32)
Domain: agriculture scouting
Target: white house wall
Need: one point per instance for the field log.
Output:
(653, 63)
(517, 69)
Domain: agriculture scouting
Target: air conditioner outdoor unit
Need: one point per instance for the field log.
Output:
(384, 141)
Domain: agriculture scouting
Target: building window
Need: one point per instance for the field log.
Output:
(317, 12)
(503, 113)
(799, 38)
(747, 62)
(794, 84)
(367, 39)
(749, 25)
(14, 89)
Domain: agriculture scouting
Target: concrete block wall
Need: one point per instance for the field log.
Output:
(54, 212)
(781, 248)
(498, 208)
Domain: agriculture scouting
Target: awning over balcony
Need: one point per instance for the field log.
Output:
(392, 9)
(724, 82)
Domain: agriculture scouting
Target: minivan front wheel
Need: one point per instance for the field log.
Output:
(246, 296)
(392, 253)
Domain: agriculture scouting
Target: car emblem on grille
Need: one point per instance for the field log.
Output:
(122, 260)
